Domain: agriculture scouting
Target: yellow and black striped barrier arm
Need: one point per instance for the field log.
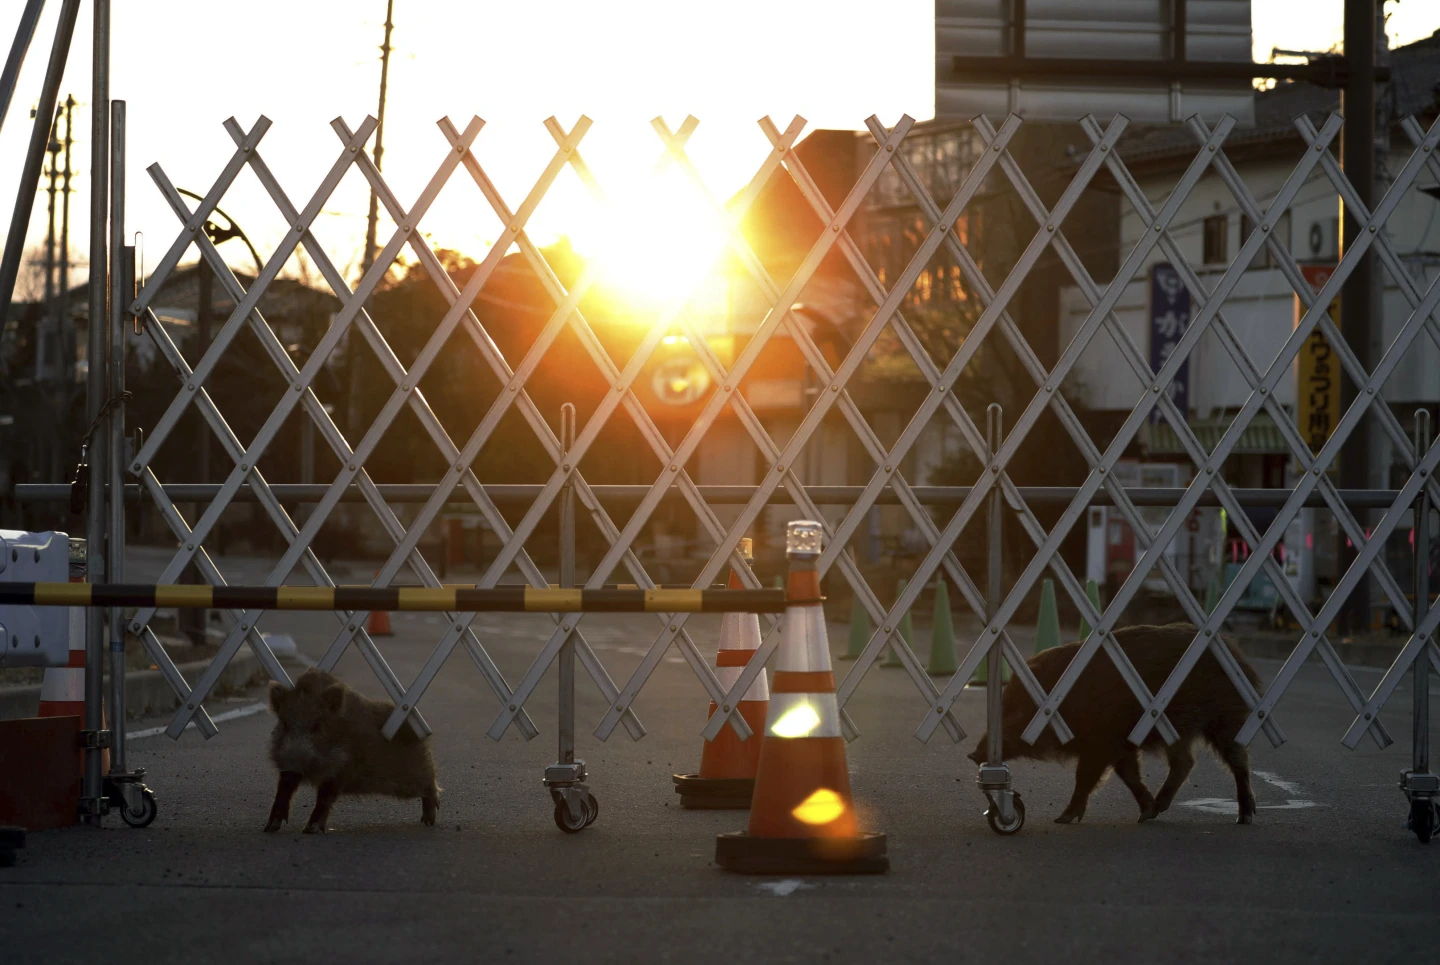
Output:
(456, 599)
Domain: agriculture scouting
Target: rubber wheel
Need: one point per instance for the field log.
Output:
(146, 816)
(1007, 829)
(565, 823)
(592, 809)
(1422, 820)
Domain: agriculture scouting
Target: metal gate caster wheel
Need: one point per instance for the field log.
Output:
(992, 814)
(1423, 818)
(145, 815)
(589, 811)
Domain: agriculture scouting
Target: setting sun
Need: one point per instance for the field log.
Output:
(656, 240)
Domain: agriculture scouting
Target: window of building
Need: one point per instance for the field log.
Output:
(1215, 252)
(1265, 258)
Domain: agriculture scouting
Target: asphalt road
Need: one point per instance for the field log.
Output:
(1327, 872)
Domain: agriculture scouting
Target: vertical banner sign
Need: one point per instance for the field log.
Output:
(1169, 317)
(1317, 371)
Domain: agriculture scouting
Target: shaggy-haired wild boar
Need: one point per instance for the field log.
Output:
(329, 736)
(1101, 711)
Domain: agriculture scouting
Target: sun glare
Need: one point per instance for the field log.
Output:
(655, 241)
(822, 807)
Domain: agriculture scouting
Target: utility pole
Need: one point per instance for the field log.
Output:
(64, 314)
(370, 226)
(1361, 328)
(352, 361)
(45, 325)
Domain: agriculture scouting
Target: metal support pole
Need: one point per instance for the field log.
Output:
(91, 792)
(35, 154)
(24, 33)
(1006, 813)
(115, 537)
(1421, 787)
(995, 429)
(575, 806)
(1356, 296)
(566, 659)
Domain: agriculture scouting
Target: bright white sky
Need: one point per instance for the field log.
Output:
(183, 67)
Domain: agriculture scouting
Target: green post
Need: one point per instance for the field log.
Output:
(1047, 625)
(859, 629)
(893, 660)
(943, 661)
(1093, 592)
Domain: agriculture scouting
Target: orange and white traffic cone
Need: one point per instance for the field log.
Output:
(62, 690)
(802, 816)
(728, 764)
(377, 624)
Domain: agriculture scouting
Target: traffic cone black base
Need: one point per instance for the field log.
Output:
(862, 854)
(714, 793)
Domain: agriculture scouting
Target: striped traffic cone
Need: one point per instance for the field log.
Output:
(907, 633)
(728, 764)
(943, 660)
(377, 624)
(802, 817)
(859, 634)
(62, 690)
(1047, 624)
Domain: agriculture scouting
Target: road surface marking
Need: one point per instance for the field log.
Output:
(235, 714)
(782, 888)
(1220, 805)
(1289, 787)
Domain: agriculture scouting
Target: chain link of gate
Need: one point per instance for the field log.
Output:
(994, 164)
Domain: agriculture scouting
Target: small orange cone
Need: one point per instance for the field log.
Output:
(377, 624)
(802, 816)
(728, 764)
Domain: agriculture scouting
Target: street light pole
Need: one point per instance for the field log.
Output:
(1360, 329)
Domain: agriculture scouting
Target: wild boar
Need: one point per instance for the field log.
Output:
(329, 736)
(1101, 711)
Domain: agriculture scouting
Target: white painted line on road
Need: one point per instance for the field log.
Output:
(782, 888)
(235, 714)
(1219, 805)
(1289, 787)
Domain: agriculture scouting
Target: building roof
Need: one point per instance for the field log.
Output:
(1414, 88)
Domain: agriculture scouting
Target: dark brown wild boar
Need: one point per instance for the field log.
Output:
(1101, 711)
(329, 736)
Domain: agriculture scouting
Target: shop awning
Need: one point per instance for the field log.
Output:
(1260, 436)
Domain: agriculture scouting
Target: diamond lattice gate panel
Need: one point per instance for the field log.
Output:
(896, 322)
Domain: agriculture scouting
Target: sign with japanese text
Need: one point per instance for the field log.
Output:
(1317, 370)
(1169, 318)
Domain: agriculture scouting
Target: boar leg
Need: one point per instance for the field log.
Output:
(1088, 772)
(1130, 770)
(1182, 760)
(324, 799)
(429, 805)
(1237, 758)
(284, 791)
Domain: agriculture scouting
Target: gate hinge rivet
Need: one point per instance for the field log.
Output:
(1049, 227)
(512, 706)
(1262, 390)
(1260, 714)
(726, 708)
(1154, 712)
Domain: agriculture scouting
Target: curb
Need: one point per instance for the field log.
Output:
(146, 691)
